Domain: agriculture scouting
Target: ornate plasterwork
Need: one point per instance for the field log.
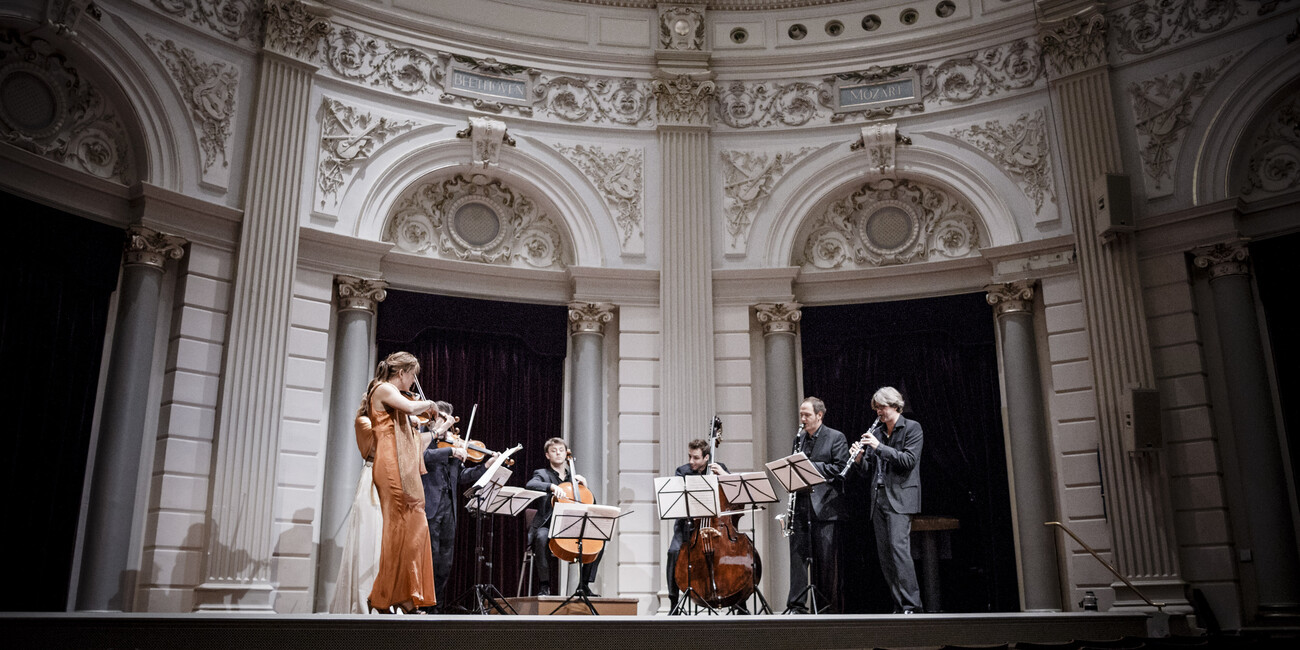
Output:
(890, 222)
(617, 176)
(1020, 149)
(748, 179)
(683, 101)
(987, 73)
(424, 221)
(209, 88)
(681, 28)
(63, 15)
(1145, 27)
(1011, 297)
(358, 56)
(294, 30)
(778, 317)
(826, 92)
(597, 100)
(1162, 111)
(49, 109)
(590, 317)
(237, 20)
(1273, 157)
(486, 136)
(360, 294)
(1074, 44)
(349, 137)
(880, 141)
(1229, 258)
(148, 247)
(743, 105)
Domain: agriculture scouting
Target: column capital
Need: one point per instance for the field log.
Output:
(778, 317)
(590, 317)
(359, 294)
(293, 28)
(1011, 297)
(684, 100)
(1228, 258)
(148, 247)
(1075, 43)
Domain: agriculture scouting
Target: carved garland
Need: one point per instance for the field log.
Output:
(294, 30)
(1074, 44)
(618, 177)
(890, 222)
(425, 220)
(1021, 149)
(598, 100)
(1146, 27)
(237, 20)
(208, 89)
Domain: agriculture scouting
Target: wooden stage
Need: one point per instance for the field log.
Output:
(534, 632)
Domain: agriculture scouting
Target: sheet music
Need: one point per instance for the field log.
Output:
(795, 472)
(693, 495)
(747, 488)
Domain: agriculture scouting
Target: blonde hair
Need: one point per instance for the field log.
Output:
(395, 364)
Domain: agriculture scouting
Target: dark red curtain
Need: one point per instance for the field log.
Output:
(940, 353)
(61, 272)
(508, 358)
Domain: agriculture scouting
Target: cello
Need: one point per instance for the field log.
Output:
(573, 550)
(717, 561)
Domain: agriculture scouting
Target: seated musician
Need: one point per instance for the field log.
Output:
(548, 480)
(700, 461)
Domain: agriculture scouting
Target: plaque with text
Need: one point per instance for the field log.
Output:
(867, 94)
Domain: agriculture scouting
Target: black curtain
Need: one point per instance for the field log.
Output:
(61, 271)
(509, 359)
(1275, 270)
(940, 353)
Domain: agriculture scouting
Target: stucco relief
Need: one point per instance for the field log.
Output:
(358, 56)
(617, 175)
(1162, 108)
(348, 137)
(294, 30)
(1074, 44)
(742, 105)
(748, 179)
(475, 219)
(1273, 154)
(987, 73)
(1151, 25)
(49, 109)
(1020, 149)
(64, 15)
(237, 20)
(889, 222)
(598, 100)
(681, 28)
(208, 86)
(683, 101)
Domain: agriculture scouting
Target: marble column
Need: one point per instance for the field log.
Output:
(780, 328)
(1028, 440)
(586, 405)
(105, 584)
(1255, 434)
(357, 300)
(237, 559)
(1138, 507)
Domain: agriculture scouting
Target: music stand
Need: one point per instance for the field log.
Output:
(693, 496)
(798, 474)
(749, 490)
(583, 522)
(485, 595)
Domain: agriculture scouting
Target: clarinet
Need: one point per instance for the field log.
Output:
(857, 447)
(787, 519)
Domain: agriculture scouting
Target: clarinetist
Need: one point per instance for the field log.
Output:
(814, 544)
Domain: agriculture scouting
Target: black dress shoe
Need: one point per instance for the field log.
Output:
(544, 590)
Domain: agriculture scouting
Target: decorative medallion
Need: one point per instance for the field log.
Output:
(475, 219)
(891, 222)
(47, 108)
(1020, 149)
(1273, 154)
(1163, 108)
(349, 137)
(681, 29)
(683, 101)
(749, 179)
(208, 88)
(618, 177)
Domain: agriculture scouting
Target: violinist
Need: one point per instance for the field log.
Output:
(699, 461)
(548, 480)
(447, 474)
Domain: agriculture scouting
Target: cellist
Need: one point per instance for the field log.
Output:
(548, 480)
(698, 461)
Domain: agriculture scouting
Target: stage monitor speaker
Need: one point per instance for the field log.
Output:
(1141, 413)
(1112, 205)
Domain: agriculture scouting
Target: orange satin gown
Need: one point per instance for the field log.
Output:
(405, 560)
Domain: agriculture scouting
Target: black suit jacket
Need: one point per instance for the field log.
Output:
(682, 527)
(829, 453)
(899, 456)
(542, 481)
(444, 479)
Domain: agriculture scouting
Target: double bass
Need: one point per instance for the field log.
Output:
(571, 550)
(718, 562)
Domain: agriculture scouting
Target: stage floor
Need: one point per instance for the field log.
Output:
(316, 631)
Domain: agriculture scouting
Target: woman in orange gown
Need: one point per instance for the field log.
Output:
(405, 576)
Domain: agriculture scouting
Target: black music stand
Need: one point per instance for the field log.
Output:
(694, 496)
(749, 490)
(583, 522)
(486, 597)
(797, 474)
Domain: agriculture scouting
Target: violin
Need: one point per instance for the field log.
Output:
(475, 453)
(569, 550)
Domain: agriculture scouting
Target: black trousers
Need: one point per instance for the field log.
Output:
(543, 557)
(818, 542)
(442, 541)
(894, 549)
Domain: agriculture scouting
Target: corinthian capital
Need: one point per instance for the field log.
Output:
(589, 317)
(1232, 258)
(359, 293)
(1011, 297)
(152, 248)
(684, 101)
(1074, 44)
(778, 317)
(293, 28)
